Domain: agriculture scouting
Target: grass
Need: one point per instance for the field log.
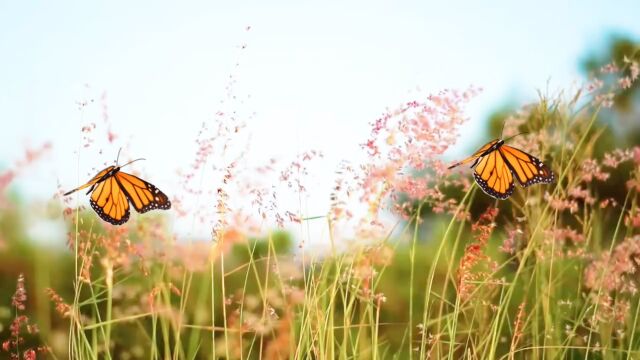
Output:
(549, 273)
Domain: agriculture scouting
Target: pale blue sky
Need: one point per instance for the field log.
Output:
(314, 73)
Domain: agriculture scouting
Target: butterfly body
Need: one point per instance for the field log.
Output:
(496, 165)
(112, 190)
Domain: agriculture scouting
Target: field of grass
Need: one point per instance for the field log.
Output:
(549, 273)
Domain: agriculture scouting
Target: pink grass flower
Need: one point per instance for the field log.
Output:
(31, 155)
(615, 272)
(474, 255)
(636, 155)
(634, 71)
(624, 82)
(21, 326)
(510, 243)
(609, 68)
(409, 139)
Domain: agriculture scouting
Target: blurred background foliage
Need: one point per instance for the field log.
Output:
(52, 266)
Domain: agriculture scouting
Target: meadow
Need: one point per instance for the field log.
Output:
(421, 263)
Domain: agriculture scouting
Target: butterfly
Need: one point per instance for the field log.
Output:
(112, 190)
(496, 166)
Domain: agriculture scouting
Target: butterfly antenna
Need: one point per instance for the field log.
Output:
(504, 122)
(132, 162)
(118, 157)
(511, 137)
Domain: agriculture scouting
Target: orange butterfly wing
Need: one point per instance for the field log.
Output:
(527, 169)
(494, 176)
(476, 155)
(91, 182)
(143, 196)
(110, 202)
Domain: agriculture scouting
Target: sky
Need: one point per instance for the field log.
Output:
(307, 75)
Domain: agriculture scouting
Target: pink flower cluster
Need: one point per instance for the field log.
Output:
(31, 155)
(21, 322)
(409, 140)
(616, 271)
(474, 255)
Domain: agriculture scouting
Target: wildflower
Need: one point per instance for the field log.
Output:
(608, 202)
(580, 193)
(567, 234)
(19, 298)
(407, 139)
(20, 322)
(615, 272)
(634, 70)
(29, 354)
(474, 255)
(175, 290)
(570, 243)
(636, 155)
(6, 178)
(633, 184)
(380, 298)
(624, 82)
(279, 347)
(591, 169)
(365, 272)
(633, 220)
(432, 341)
(151, 298)
(517, 329)
(61, 307)
(596, 84)
(195, 256)
(178, 207)
(606, 100)
(287, 270)
(560, 204)
(485, 225)
(31, 155)
(609, 68)
(614, 158)
(509, 244)
(342, 190)
(621, 310)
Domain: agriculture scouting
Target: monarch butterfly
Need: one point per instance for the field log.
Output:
(112, 190)
(496, 164)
